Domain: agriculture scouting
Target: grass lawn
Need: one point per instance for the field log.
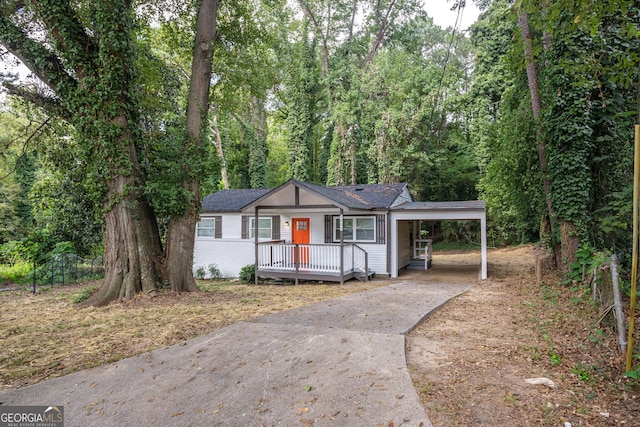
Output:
(45, 335)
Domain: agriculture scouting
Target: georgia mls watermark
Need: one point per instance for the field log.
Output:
(31, 416)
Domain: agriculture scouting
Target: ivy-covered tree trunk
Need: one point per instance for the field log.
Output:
(91, 81)
(132, 246)
(300, 97)
(536, 106)
(258, 153)
(181, 233)
(569, 126)
(337, 157)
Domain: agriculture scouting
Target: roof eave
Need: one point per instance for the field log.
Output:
(292, 182)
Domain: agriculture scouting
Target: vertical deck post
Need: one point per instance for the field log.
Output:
(255, 240)
(366, 266)
(296, 260)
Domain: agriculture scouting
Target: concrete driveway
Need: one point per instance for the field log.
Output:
(336, 363)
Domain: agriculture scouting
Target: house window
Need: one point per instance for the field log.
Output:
(264, 227)
(268, 227)
(355, 229)
(206, 227)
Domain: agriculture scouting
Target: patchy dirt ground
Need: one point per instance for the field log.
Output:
(471, 359)
(44, 336)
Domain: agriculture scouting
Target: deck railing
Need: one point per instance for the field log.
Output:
(313, 258)
(323, 258)
(360, 260)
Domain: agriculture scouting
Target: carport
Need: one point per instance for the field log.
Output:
(432, 211)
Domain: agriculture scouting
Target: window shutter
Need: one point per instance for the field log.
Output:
(328, 229)
(381, 227)
(245, 227)
(275, 227)
(218, 227)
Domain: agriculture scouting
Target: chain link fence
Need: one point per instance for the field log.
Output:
(62, 269)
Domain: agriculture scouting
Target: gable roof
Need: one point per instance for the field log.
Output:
(357, 197)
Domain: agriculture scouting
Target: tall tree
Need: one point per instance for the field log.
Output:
(181, 234)
(302, 97)
(86, 56)
(350, 35)
(585, 65)
(536, 107)
(90, 79)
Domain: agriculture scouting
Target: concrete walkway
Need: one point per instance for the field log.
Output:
(337, 363)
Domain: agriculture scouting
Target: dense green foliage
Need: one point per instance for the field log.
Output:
(248, 274)
(588, 73)
(305, 90)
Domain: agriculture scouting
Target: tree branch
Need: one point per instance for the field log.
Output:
(36, 57)
(383, 25)
(25, 144)
(50, 105)
(73, 42)
(316, 24)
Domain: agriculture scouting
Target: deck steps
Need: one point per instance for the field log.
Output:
(359, 274)
(417, 264)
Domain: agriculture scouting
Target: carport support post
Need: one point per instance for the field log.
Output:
(483, 240)
(341, 246)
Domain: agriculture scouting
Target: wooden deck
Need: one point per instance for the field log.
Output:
(328, 262)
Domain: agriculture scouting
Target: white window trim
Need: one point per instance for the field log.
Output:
(252, 227)
(212, 228)
(336, 229)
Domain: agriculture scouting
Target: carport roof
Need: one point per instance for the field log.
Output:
(431, 206)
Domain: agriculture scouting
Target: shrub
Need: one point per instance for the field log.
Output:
(16, 272)
(200, 273)
(248, 273)
(214, 272)
(13, 252)
(63, 248)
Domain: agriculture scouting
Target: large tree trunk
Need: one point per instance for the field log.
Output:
(179, 248)
(570, 242)
(93, 91)
(132, 244)
(536, 107)
(182, 228)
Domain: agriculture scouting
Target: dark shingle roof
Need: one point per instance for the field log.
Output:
(365, 196)
(232, 200)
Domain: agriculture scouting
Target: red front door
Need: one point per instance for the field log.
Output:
(300, 236)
